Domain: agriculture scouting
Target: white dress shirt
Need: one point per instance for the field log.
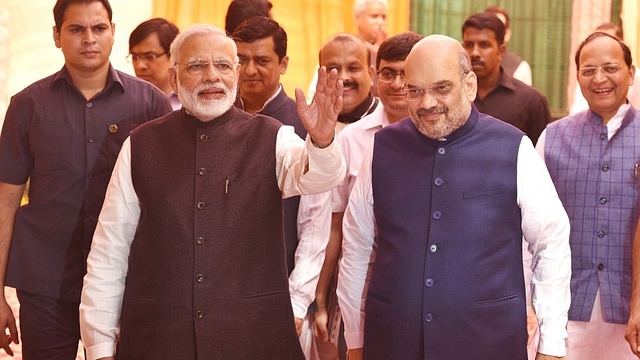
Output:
(355, 140)
(314, 227)
(107, 263)
(610, 335)
(545, 226)
(314, 213)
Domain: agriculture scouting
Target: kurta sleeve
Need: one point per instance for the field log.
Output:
(545, 226)
(107, 263)
(302, 168)
(358, 230)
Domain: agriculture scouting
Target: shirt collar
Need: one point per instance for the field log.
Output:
(506, 80)
(365, 108)
(112, 78)
(616, 121)
(240, 102)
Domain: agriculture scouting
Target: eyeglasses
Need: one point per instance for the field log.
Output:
(590, 71)
(440, 91)
(149, 57)
(389, 76)
(198, 67)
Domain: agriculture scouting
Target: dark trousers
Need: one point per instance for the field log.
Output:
(49, 328)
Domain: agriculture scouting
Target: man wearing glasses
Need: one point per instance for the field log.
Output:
(355, 139)
(149, 54)
(593, 158)
(188, 260)
(440, 207)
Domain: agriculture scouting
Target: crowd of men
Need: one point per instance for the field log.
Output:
(421, 205)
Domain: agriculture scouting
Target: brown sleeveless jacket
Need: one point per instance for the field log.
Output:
(207, 274)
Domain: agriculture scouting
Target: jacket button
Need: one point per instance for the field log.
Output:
(429, 282)
(199, 278)
(200, 205)
(441, 151)
(601, 266)
(433, 248)
(601, 233)
(437, 215)
(202, 171)
(428, 317)
(200, 240)
(113, 128)
(204, 137)
(199, 314)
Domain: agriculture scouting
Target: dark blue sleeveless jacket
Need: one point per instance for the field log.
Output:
(447, 282)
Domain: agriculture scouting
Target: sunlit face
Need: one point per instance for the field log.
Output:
(154, 70)
(206, 75)
(605, 91)
(260, 69)
(436, 116)
(350, 60)
(484, 51)
(85, 37)
(390, 93)
(371, 22)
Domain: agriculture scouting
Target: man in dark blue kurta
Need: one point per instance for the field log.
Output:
(448, 195)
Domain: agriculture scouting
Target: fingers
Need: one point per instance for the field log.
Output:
(5, 341)
(300, 98)
(320, 327)
(632, 338)
(633, 342)
(322, 77)
(13, 331)
(299, 322)
(322, 332)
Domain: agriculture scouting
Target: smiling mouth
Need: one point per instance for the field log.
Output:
(603, 91)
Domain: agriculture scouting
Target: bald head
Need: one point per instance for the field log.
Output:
(441, 85)
(356, 46)
(438, 52)
(349, 56)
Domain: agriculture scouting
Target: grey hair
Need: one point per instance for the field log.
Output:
(464, 61)
(359, 6)
(199, 29)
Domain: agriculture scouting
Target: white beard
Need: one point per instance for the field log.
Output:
(206, 109)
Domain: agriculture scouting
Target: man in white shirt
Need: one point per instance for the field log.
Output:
(188, 258)
(592, 157)
(580, 103)
(354, 140)
(445, 198)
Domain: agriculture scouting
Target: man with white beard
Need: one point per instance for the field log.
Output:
(188, 259)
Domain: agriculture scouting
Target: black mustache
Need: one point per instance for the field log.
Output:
(350, 83)
(433, 110)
